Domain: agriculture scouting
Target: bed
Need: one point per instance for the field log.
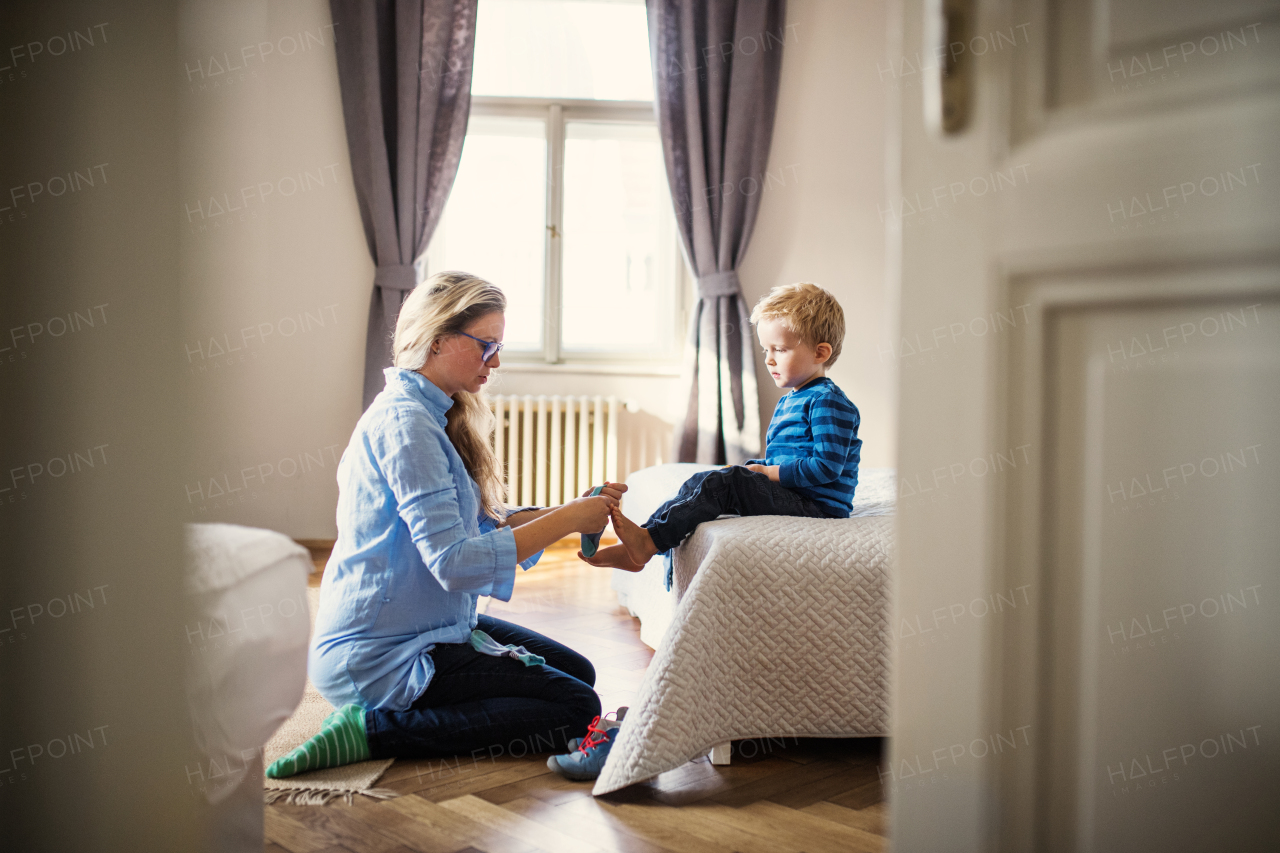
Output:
(246, 644)
(774, 627)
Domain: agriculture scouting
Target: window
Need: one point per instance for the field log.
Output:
(561, 197)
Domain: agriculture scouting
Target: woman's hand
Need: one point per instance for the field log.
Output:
(589, 514)
(610, 494)
(612, 490)
(586, 514)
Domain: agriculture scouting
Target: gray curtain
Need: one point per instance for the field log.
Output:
(404, 67)
(716, 66)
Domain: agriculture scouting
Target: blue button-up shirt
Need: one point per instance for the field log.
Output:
(414, 551)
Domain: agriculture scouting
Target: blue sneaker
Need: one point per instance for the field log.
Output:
(585, 763)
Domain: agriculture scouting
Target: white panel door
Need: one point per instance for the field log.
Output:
(1088, 599)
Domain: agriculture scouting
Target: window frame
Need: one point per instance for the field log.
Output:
(556, 113)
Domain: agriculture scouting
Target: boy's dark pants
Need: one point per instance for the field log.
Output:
(725, 491)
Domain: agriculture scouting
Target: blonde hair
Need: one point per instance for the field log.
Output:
(442, 305)
(809, 311)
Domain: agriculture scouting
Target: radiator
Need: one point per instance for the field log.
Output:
(552, 449)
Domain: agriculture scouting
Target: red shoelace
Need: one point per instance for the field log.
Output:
(588, 742)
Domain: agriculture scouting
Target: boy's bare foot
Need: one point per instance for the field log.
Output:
(635, 539)
(612, 557)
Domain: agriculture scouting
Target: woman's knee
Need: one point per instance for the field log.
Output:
(579, 667)
(572, 663)
(557, 654)
(585, 705)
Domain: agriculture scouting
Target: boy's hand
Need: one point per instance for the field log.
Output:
(770, 471)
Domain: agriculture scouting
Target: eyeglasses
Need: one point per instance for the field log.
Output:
(490, 347)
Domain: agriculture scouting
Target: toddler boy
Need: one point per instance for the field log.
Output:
(812, 448)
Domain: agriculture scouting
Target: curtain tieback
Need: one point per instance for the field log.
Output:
(396, 277)
(719, 284)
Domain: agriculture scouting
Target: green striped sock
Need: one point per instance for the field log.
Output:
(342, 740)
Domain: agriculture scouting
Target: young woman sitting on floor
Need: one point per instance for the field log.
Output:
(422, 532)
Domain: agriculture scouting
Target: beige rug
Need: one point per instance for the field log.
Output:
(320, 786)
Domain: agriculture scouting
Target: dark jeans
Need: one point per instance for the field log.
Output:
(485, 706)
(726, 491)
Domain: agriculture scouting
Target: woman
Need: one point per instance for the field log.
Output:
(423, 531)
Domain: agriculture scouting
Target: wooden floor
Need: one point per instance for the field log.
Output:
(805, 796)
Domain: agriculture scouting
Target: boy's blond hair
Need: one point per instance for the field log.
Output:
(808, 310)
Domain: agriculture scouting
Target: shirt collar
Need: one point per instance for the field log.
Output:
(419, 386)
(809, 386)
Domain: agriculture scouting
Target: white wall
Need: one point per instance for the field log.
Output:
(824, 226)
(284, 279)
(287, 402)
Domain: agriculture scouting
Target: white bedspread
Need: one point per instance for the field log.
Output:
(779, 627)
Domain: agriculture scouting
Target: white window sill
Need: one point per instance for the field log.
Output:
(597, 367)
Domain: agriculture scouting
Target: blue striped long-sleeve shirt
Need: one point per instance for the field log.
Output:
(813, 438)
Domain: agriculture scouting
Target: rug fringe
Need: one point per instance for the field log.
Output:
(322, 796)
